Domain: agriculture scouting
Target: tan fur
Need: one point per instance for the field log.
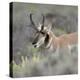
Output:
(63, 40)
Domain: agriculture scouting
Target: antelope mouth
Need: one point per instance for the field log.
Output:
(36, 46)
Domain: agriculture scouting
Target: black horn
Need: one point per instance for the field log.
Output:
(31, 19)
(33, 22)
(42, 22)
(43, 19)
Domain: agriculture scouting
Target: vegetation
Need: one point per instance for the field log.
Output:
(52, 64)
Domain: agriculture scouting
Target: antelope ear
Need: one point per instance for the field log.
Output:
(49, 27)
(39, 26)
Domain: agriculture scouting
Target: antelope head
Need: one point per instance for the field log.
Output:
(41, 37)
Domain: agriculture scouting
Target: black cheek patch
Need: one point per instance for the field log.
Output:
(46, 39)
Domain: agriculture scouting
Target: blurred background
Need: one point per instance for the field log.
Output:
(29, 61)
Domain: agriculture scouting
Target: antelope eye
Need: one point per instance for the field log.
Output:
(42, 33)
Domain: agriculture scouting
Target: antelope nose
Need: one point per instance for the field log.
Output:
(33, 43)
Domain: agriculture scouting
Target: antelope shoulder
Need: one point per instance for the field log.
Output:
(68, 40)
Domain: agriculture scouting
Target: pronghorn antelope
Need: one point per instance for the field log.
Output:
(44, 37)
